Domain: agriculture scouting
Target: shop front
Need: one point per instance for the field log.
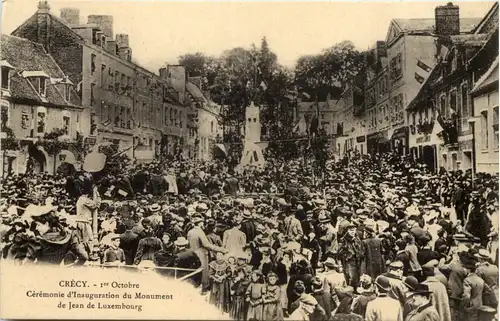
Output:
(400, 140)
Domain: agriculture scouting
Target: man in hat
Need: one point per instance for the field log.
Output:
(383, 307)
(367, 294)
(307, 305)
(248, 226)
(199, 243)
(324, 300)
(457, 273)
(486, 270)
(184, 257)
(332, 278)
(328, 239)
(373, 262)
(395, 276)
(351, 255)
(473, 288)
(129, 242)
(293, 228)
(439, 296)
(424, 310)
(114, 255)
(233, 239)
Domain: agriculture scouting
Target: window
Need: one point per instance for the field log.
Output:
(150, 144)
(5, 114)
(176, 120)
(144, 114)
(41, 116)
(464, 113)
(67, 92)
(117, 82)
(212, 126)
(495, 127)
(92, 94)
(484, 131)
(92, 64)
(103, 76)
(180, 119)
(442, 106)
(171, 113)
(110, 79)
(396, 66)
(5, 78)
(66, 124)
(42, 86)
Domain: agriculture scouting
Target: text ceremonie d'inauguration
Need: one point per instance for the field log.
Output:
(75, 294)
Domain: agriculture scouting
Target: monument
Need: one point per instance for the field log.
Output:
(252, 153)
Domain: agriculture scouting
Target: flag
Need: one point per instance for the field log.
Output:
(423, 66)
(419, 78)
(306, 95)
(263, 85)
(437, 129)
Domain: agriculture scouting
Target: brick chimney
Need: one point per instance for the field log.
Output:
(43, 29)
(447, 20)
(381, 49)
(123, 48)
(176, 77)
(104, 22)
(71, 16)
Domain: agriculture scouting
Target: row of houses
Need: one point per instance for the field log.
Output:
(79, 79)
(430, 89)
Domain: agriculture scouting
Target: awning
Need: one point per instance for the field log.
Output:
(400, 133)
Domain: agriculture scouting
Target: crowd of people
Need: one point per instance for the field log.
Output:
(375, 238)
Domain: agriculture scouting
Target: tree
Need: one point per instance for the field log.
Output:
(328, 72)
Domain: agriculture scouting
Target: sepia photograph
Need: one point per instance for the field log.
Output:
(249, 161)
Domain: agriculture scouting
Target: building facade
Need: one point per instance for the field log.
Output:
(485, 120)
(129, 105)
(42, 121)
(396, 71)
(441, 133)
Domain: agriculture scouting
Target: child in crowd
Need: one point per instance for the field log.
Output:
(271, 298)
(254, 297)
(218, 272)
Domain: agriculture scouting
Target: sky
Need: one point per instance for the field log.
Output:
(160, 31)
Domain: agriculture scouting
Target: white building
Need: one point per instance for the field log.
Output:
(485, 121)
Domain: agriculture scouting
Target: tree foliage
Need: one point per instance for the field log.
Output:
(328, 72)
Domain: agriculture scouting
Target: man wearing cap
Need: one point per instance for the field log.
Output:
(439, 296)
(395, 276)
(351, 255)
(383, 307)
(199, 243)
(248, 226)
(307, 305)
(424, 310)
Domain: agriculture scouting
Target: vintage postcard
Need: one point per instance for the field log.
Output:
(250, 161)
